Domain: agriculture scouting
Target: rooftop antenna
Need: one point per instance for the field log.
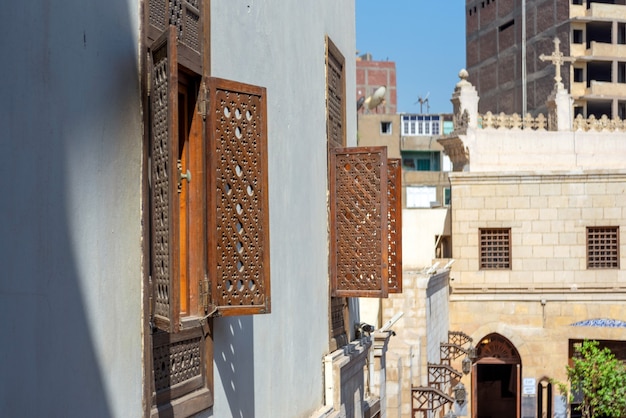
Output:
(421, 101)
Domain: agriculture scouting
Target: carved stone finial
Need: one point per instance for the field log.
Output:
(463, 75)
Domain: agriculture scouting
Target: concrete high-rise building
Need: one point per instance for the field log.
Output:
(505, 39)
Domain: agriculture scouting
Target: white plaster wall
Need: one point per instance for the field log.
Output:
(419, 228)
(437, 314)
(271, 365)
(508, 150)
(70, 224)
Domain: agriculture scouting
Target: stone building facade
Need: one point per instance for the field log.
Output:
(537, 230)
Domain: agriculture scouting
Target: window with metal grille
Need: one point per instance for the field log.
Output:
(495, 248)
(602, 247)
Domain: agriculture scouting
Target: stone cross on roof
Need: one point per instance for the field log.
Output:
(557, 59)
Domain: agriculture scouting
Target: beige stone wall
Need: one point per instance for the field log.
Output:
(548, 287)
(548, 215)
(424, 302)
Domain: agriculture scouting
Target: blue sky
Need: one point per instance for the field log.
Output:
(425, 38)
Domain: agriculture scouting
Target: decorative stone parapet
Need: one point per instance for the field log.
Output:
(514, 121)
(602, 124)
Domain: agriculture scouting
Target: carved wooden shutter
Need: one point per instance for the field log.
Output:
(186, 17)
(394, 209)
(359, 222)
(237, 198)
(164, 206)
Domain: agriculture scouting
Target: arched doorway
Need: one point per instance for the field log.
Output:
(496, 379)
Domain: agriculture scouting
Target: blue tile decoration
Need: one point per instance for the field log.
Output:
(604, 322)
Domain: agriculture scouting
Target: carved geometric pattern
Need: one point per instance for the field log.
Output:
(157, 14)
(459, 337)
(335, 95)
(163, 212)
(359, 221)
(440, 375)
(183, 14)
(394, 209)
(449, 352)
(239, 187)
(177, 362)
(602, 247)
(425, 399)
(496, 346)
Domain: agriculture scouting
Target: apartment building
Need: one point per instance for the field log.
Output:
(506, 38)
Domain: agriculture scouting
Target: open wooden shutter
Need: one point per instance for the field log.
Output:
(237, 198)
(394, 210)
(164, 206)
(359, 222)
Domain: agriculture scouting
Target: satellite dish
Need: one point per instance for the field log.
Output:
(376, 98)
(359, 103)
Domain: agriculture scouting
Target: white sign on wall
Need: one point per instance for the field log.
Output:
(420, 196)
(529, 386)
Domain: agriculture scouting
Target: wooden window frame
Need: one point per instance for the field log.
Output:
(602, 247)
(494, 248)
(180, 337)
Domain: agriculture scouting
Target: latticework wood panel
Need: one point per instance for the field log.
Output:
(182, 14)
(177, 362)
(164, 210)
(394, 210)
(602, 247)
(239, 229)
(359, 222)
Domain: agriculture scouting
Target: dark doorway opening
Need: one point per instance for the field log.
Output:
(497, 390)
(496, 379)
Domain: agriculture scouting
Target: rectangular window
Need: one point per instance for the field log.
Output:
(420, 128)
(421, 160)
(495, 248)
(621, 33)
(446, 196)
(578, 75)
(577, 36)
(603, 247)
(577, 1)
(506, 25)
(621, 72)
(435, 128)
(385, 128)
(420, 196)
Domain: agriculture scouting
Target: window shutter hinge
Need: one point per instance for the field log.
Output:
(204, 293)
(203, 103)
(149, 73)
(150, 306)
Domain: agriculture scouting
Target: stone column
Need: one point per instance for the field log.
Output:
(560, 109)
